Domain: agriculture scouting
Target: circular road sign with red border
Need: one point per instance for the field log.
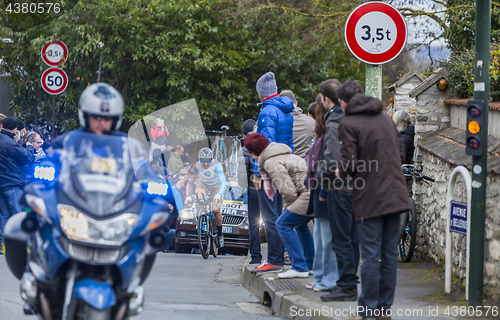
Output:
(375, 32)
(54, 53)
(54, 81)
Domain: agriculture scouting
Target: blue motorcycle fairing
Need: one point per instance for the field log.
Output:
(99, 295)
(149, 207)
(46, 251)
(128, 264)
(49, 196)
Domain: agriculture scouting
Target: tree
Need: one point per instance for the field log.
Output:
(157, 53)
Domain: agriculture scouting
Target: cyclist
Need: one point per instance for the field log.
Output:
(212, 182)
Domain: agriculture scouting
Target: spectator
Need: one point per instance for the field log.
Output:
(325, 261)
(279, 166)
(175, 163)
(20, 130)
(46, 145)
(403, 125)
(275, 122)
(303, 127)
(2, 116)
(369, 137)
(185, 159)
(37, 143)
(12, 159)
(159, 133)
(345, 241)
(245, 177)
(312, 110)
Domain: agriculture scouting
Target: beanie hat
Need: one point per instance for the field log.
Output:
(248, 126)
(9, 123)
(20, 124)
(266, 85)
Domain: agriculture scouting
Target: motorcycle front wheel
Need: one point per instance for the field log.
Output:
(87, 312)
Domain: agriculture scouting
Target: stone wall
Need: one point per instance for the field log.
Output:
(402, 99)
(431, 238)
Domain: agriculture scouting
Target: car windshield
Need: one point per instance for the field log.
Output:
(97, 171)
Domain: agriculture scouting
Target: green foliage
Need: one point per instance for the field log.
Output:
(460, 68)
(157, 53)
(461, 17)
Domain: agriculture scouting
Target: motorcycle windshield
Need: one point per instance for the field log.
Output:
(97, 172)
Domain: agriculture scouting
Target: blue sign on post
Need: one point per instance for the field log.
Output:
(458, 218)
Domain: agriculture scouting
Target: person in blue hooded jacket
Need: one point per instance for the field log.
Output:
(275, 122)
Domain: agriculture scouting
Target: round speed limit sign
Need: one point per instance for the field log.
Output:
(54, 81)
(375, 32)
(54, 53)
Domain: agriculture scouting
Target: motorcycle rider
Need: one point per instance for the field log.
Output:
(211, 180)
(100, 111)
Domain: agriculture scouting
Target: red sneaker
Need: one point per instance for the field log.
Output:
(267, 267)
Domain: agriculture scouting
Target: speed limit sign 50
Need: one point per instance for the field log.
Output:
(54, 81)
(375, 32)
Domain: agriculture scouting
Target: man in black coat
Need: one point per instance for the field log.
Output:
(371, 154)
(12, 159)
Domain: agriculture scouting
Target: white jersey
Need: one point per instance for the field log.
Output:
(211, 175)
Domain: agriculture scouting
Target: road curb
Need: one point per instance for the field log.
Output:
(285, 303)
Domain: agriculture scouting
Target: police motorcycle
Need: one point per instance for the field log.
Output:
(90, 240)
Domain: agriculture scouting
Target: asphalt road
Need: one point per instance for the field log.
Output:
(180, 286)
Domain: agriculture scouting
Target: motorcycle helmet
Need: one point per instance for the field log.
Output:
(205, 153)
(101, 99)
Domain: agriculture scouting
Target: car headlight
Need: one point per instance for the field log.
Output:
(187, 214)
(80, 227)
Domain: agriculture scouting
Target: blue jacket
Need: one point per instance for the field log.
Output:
(276, 122)
(12, 159)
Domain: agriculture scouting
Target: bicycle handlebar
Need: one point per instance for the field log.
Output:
(410, 171)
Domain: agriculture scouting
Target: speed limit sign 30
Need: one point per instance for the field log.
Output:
(375, 32)
(54, 81)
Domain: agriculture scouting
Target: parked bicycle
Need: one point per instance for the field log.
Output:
(206, 228)
(233, 157)
(408, 220)
(219, 147)
(229, 163)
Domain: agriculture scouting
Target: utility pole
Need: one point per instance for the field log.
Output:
(481, 92)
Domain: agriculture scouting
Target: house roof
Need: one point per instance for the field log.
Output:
(438, 74)
(405, 78)
(449, 146)
(495, 105)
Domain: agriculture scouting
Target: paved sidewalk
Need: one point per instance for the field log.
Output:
(419, 295)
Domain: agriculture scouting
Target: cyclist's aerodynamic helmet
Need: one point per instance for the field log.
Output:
(101, 99)
(205, 155)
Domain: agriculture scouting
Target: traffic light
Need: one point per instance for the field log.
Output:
(475, 137)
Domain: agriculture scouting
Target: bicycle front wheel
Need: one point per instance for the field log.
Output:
(204, 235)
(408, 233)
(214, 241)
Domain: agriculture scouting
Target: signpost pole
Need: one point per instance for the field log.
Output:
(53, 117)
(373, 86)
(479, 171)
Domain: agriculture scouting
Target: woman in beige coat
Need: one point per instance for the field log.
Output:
(280, 168)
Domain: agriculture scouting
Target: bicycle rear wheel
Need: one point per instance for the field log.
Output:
(204, 235)
(408, 233)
